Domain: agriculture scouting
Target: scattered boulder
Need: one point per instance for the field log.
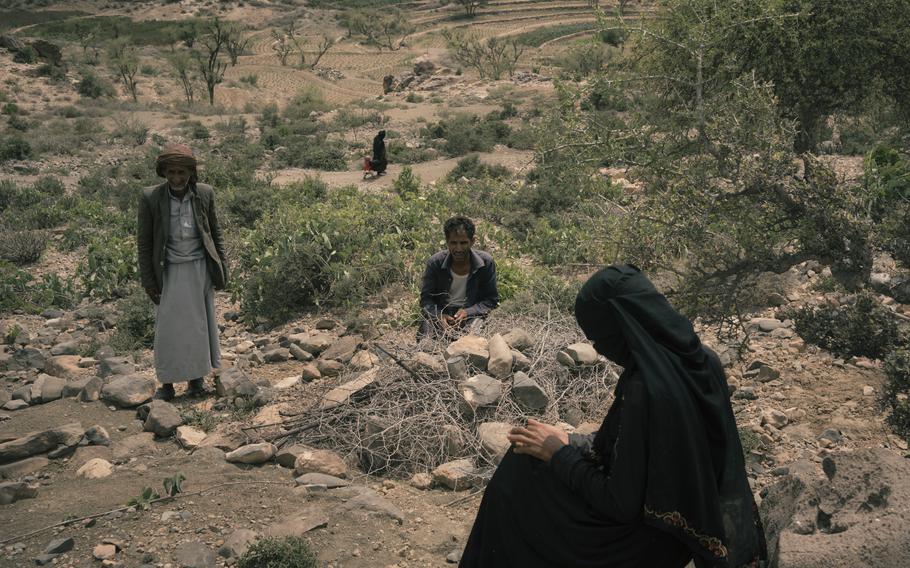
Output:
(364, 360)
(163, 419)
(422, 481)
(766, 325)
(457, 475)
(24, 359)
(92, 390)
(59, 546)
(112, 365)
(276, 355)
(237, 543)
(104, 551)
(342, 394)
(286, 457)
(528, 393)
(12, 491)
(141, 444)
(66, 348)
(314, 343)
(369, 500)
(499, 363)
(855, 515)
(422, 362)
(494, 440)
(343, 350)
(457, 368)
(297, 525)
(321, 480)
(774, 417)
(194, 555)
(329, 367)
(480, 390)
(129, 390)
(310, 372)
(520, 361)
(47, 388)
(297, 352)
(72, 388)
(20, 468)
(472, 347)
(40, 442)
(97, 436)
(235, 382)
(63, 366)
(15, 405)
(252, 453)
(320, 461)
(519, 339)
(578, 355)
(95, 469)
(288, 382)
(189, 437)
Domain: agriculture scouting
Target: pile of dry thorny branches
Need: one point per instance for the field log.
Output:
(411, 421)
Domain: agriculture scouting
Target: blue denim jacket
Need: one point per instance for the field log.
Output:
(482, 295)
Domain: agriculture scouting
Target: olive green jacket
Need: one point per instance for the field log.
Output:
(155, 222)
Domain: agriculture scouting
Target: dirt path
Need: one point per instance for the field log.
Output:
(516, 160)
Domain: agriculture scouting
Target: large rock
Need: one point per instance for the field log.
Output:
(297, 524)
(27, 466)
(237, 543)
(369, 500)
(194, 555)
(24, 359)
(252, 453)
(500, 361)
(47, 388)
(343, 349)
(115, 366)
(314, 343)
(480, 390)
(321, 480)
(422, 362)
(494, 440)
(96, 468)
(63, 366)
(519, 339)
(73, 387)
(12, 491)
(581, 354)
(320, 461)
(472, 347)
(297, 352)
(364, 360)
(276, 355)
(129, 390)
(854, 512)
(92, 390)
(457, 368)
(97, 436)
(40, 442)
(457, 475)
(189, 437)
(286, 457)
(528, 393)
(329, 367)
(163, 419)
(342, 394)
(235, 382)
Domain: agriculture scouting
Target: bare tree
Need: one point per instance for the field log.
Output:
(124, 61)
(211, 65)
(491, 58)
(182, 64)
(386, 30)
(324, 46)
(89, 40)
(470, 6)
(236, 43)
(282, 46)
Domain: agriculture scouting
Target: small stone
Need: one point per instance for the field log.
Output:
(480, 390)
(342, 394)
(95, 469)
(472, 347)
(320, 461)
(59, 546)
(364, 360)
(104, 551)
(528, 393)
(457, 368)
(343, 349)
(745, 393)
(45, 559)
(454, 557)
(12, 491)
(520, 362)
(425, 363)
(518, 339)
(277, 355)
(91, 391)
(326, 324)
(321, 479)
(235, 382)
(297, 352)
(97, 436)
(764, 324)
(62, 366)
(774, 417)
(252, 453)
(288, 455)
(194, 555)
(422, 481)
(329, 367)
(237, 543)
(314, 343)
(129, 390)
(244, 347)
(163, 419)
(579, 354)
(287, 382)
(310, 372)
(15, 405)
(189, 437)
(832, 435)
(457, 475)
(868, 390)
(494, 440)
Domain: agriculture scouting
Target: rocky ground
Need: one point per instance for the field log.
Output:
(79, 438)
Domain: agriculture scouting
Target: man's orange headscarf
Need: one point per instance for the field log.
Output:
(178, 155)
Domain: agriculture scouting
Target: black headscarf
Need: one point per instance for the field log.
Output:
(696, 483)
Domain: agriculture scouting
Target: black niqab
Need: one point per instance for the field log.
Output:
(696, 487)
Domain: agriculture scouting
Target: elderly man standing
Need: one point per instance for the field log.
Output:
(459, 283)
(181, 260)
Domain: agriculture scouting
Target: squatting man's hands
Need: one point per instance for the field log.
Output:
(537, 439)
(448, 321)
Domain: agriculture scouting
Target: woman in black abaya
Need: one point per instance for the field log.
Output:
(661, 483)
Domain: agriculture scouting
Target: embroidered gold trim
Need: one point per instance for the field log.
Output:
(675, 519)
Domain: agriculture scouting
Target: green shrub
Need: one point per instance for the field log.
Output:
(283, 552)
(250, 79)
(131, 130)
(413, 98)
(49, 185)
(195, 130)
(22, 247)
(863, 328)
(135, 327)
(68, 111)
(93, 86)
(401, 154)
(202, 419)
(9, 109)
(308, 100)
(54, 292)
(887, 176)
(55, 73)
(464, 133)
(18, 292)
(472, 168)
(110, 265)
(26, 55)
(13, 287)
(407, 184)
(313, 152)
(14, 148)
(9, 194)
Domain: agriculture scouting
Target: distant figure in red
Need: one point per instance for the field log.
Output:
(380, 160)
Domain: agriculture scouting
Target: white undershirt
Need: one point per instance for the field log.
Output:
(458, 291)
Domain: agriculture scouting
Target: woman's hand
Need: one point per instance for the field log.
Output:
(538, 439)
